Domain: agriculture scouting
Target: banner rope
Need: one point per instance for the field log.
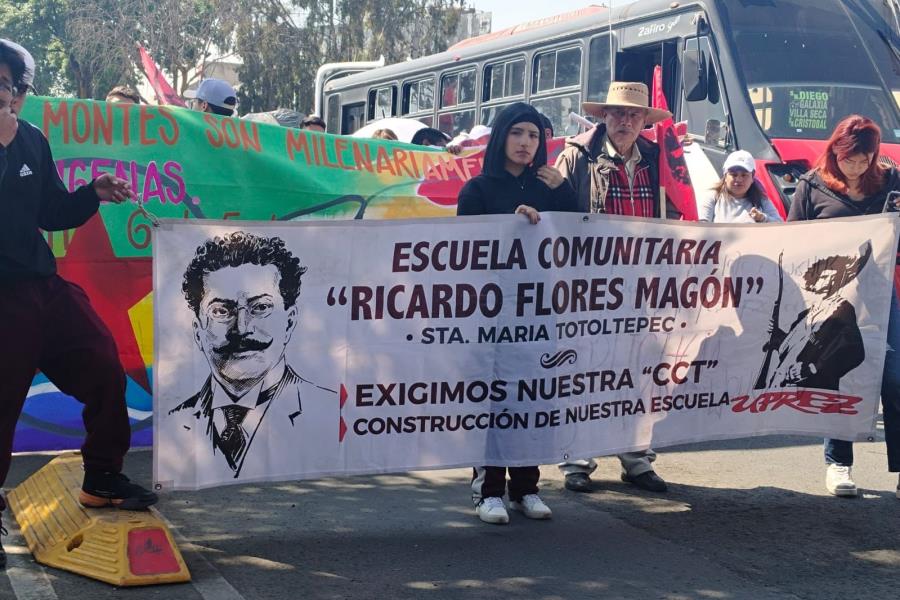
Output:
(154, 220)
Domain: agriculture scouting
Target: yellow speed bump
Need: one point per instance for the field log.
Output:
(120, 547)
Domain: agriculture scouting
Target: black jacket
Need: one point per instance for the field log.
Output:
(485, 195)
(815, 200)
(496, 191)
(33, 198)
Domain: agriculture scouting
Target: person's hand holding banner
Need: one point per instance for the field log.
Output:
(113, 189)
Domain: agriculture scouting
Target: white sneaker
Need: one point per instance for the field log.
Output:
(838, 481)
(532, 507)
(492, 510)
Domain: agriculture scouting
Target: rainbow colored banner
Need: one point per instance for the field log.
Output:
(190, 165)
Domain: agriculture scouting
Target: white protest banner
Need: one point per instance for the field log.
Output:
(297, 350)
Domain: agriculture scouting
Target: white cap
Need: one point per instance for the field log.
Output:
(28, 77)
(739, 159)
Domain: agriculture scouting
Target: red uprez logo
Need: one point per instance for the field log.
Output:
(806, 401)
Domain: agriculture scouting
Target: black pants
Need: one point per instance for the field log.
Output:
(49, 324)
(489, 482)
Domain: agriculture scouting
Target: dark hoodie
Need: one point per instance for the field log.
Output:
(497, 191)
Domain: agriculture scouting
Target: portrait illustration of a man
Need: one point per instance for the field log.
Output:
(824, 342)
(243, 291)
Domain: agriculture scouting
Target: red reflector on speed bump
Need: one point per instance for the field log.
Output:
(150, 553)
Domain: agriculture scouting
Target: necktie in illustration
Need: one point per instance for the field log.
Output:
(232, 440)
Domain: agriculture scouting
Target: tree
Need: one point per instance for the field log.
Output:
(276, 52)
(33, 24)
(181, 35)
(282, 42)
(85, 47)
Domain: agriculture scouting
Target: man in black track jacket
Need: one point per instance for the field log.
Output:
(46, 322)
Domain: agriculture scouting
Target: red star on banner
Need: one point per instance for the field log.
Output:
(113, 285)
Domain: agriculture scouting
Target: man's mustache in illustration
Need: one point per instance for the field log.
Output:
(236, 343)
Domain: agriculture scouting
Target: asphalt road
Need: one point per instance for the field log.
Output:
(747, 519)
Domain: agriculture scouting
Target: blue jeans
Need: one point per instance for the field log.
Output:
(840, 452)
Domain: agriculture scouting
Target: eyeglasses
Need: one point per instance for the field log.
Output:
(8, 87)
(227, 311)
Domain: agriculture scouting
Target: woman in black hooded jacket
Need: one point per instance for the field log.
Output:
(515, 178)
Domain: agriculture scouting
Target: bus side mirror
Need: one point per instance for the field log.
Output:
(694, 74)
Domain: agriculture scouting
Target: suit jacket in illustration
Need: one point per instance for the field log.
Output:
(267, 432)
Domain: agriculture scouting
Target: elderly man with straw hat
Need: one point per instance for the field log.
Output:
(615, 171)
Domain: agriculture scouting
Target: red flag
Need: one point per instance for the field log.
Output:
(165, 94)
(674, 178)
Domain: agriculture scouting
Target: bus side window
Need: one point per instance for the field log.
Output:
(503, 79)
(557, 72)
(426, 94)
(706, 117)
(556, 69)
(449, 84)
(453, 123)
(418, 100)
(489, 113)
(598, 69)
(457, 90)
(557, 109)
(467, 87)
(411, 98)
(352, 117)
(333, 118)
(382, 102)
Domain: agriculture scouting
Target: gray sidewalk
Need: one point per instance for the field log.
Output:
(746, 519)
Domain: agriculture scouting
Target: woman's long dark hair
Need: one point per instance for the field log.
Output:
(755, 195)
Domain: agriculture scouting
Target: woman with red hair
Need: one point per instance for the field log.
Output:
(848, 181)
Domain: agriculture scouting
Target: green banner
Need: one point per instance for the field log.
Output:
(185, 164)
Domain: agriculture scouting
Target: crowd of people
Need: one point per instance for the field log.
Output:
(609, 168)
(612, 169)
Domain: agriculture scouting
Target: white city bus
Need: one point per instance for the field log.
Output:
(769, 76)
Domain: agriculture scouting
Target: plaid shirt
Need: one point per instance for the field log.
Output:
(631, 198)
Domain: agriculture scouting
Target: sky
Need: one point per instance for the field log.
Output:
(507, 13)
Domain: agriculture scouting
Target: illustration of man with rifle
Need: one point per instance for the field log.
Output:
(823, 343)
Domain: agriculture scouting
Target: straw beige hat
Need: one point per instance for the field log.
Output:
(627, 93)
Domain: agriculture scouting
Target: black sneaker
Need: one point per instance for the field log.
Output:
(103, 489)
(649, 481)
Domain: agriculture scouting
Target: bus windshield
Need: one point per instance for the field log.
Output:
(807, 66)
